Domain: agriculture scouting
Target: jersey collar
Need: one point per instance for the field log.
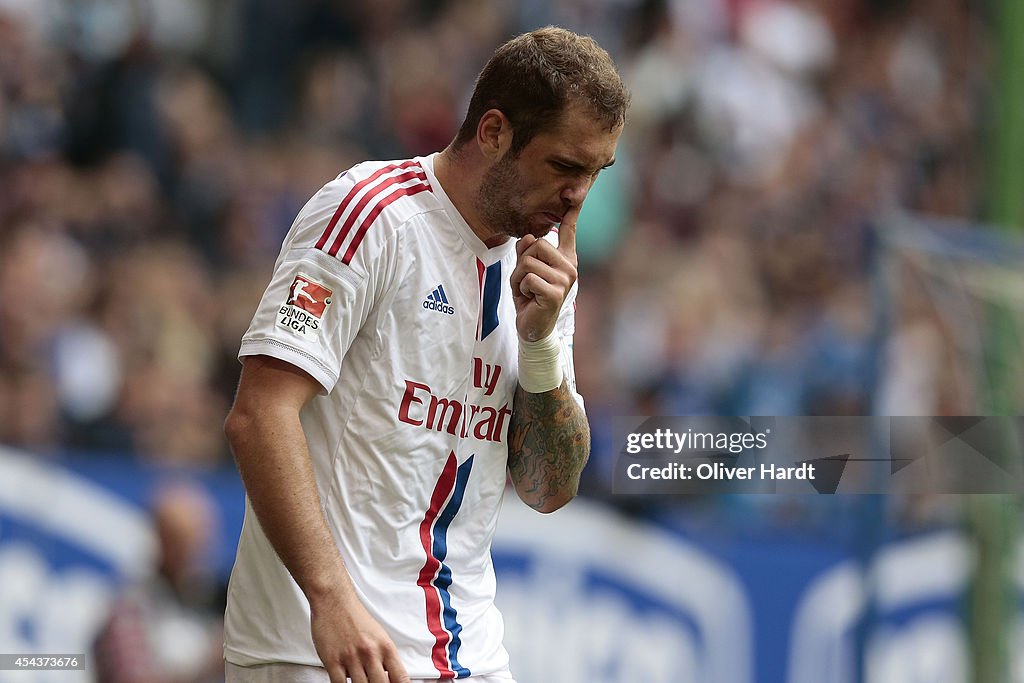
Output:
(474, 243)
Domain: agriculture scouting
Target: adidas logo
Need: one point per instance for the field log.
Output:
(438, 301)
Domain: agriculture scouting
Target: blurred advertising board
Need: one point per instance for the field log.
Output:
(589, 594)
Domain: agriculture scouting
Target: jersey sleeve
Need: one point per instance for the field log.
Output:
(316, 304)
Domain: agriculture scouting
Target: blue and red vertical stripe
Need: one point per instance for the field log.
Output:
(489, 278)
(436, 577)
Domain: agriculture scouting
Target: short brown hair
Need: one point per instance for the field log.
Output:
(532, 78)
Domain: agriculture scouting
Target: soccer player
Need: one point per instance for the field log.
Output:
(413, 346)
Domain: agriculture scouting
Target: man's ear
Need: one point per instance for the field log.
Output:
(494, 134)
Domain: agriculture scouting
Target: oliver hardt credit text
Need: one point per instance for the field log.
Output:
(666, 440)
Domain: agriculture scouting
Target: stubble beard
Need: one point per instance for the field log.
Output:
(497, 199)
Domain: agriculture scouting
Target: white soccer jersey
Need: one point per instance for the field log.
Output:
(385, 295)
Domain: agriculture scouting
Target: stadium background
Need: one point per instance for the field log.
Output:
(154, 152)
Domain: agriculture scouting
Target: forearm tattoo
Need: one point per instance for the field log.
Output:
(549, 442)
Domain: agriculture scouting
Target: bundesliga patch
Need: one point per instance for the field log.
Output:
(304, 310)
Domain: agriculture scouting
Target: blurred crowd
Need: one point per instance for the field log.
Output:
(154, 152)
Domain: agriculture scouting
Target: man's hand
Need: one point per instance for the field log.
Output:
(351, 643)
(542, 278)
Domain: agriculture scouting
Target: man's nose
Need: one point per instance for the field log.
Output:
(576, 191)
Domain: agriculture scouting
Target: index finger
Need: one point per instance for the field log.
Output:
(567, 231)
(396, 672)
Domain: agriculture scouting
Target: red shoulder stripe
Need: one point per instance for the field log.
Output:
(372, 216)
(356, 189)
(371, 195)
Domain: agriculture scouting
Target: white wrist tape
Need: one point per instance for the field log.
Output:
(540, 364)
